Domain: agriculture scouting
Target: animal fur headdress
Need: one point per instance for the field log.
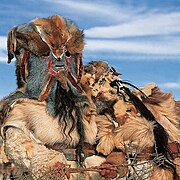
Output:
(44, 34)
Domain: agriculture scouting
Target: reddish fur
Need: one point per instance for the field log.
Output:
(54, 37)
(59, 35)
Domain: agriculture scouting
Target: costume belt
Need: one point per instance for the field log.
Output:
(70, 153)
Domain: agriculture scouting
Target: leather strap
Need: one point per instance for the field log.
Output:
(46, 89)
(145, 154)
(70, 153)
(89, 150)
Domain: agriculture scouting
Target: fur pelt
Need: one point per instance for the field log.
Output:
(161, 174)
(31, 115)
(177, 162)
(76, 42)
(105, 134)
(164, 108)
(40, 36)
(99, 76)
(54, 35)
(120, 125)
(95, 80)
(48, 71)
(135, 135)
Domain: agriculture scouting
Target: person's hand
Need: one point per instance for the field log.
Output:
(108, 172)
(115, 165)
(60, 170)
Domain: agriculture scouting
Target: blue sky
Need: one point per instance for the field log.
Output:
(140, 38)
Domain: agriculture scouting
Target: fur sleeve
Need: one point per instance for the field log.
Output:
(28, 154)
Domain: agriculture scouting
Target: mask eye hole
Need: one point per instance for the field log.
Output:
(67, 54)
(53, 45)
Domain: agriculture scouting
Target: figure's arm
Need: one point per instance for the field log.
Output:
(34, 158)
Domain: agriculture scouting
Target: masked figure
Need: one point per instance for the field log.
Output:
(49, 68)
(66, 121)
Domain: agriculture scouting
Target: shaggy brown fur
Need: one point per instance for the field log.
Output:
(161, 174)
(123, 110)
(53, 32)
(45, 35)
(69, 34)
(163, 107)
(135, 135)
(177, 162)
(96, 81)
(127, 130)
(97, 68)
(76, 42)
(105, 134)
(30, 41)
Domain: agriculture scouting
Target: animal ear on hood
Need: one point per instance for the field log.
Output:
(59, 22)
(61, 25)
(39, 21)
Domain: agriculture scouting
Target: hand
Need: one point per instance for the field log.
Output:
(117, 159)
(60, 170)
(108, 172)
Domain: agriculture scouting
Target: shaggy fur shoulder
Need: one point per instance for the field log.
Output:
(31, 115)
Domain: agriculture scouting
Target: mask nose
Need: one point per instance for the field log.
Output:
(60, 62)
(61, 58)
(58, 54)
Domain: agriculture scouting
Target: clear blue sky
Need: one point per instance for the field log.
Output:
(140, 38)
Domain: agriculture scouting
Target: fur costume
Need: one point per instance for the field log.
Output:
(59, 109)
(121, 125)
(49, 68)
(32, 130)
(54, 75)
